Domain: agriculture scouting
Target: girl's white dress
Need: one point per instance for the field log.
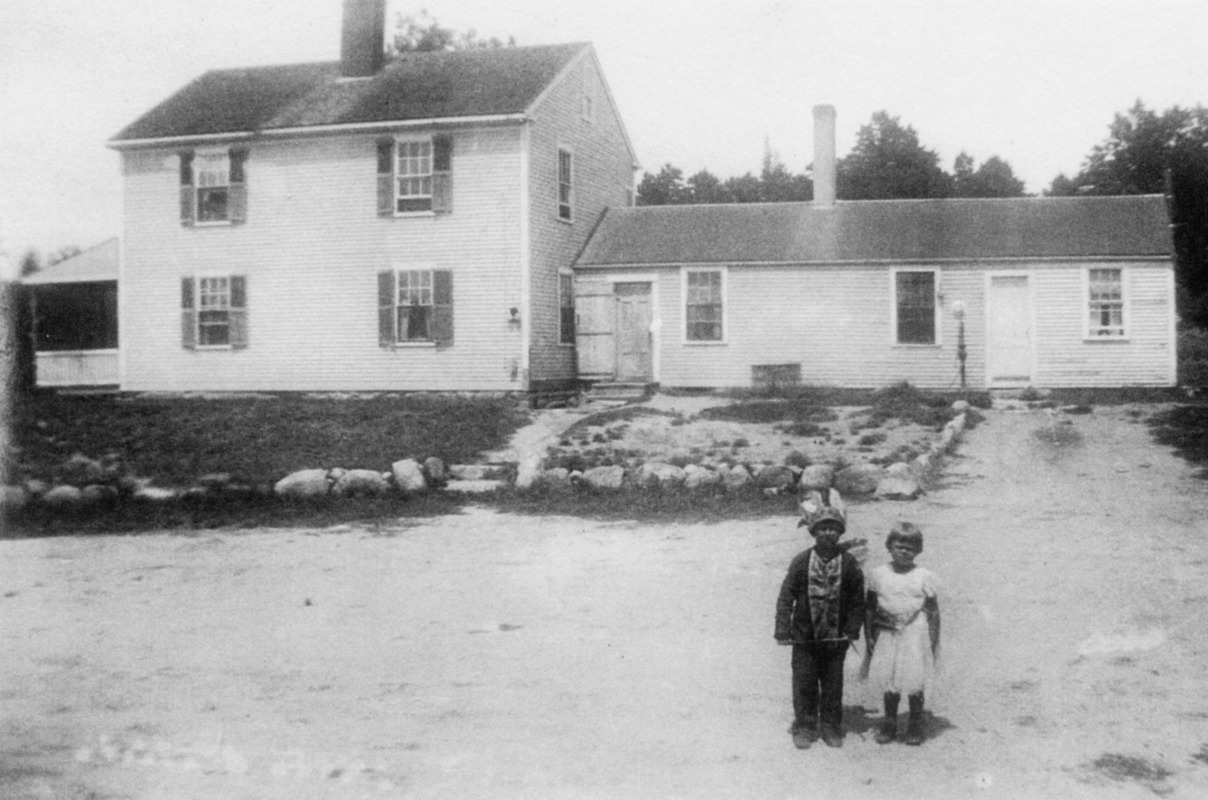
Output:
(901, 661)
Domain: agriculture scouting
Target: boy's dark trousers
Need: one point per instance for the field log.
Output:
(818, 683)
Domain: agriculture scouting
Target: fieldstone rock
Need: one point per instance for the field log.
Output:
(434, 471)
(80, 470)
(360, 482)
(480, 486)
(468, 472)
(771, 476)
(696, 477)
(528, 471)
(155, 494)
(659, 473)
(922, 464)
(960, 406)
(736, 477)
(62, 496)
(335, 473)
(898, 488)
(408, 475)
(36, 487)
(859, 479)
(13, 497)
(898, 469)
(303, 483)
(608, 478)
(817, 478)
(215, 480)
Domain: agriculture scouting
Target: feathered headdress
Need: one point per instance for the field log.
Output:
(815, 509)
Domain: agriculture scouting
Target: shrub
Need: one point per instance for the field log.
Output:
(872, 438)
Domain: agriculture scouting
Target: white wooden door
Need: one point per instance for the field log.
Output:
(633, 331)
(595, 317)
(1009, 332)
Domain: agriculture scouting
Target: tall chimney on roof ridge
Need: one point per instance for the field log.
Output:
(824, 155)
(363, 42)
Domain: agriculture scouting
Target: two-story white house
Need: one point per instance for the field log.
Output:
(369, 224)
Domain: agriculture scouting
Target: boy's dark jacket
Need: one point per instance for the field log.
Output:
(792, 606)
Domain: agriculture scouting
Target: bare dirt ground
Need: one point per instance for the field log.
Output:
(495, 656)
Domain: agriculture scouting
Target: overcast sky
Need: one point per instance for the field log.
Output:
(699, 83)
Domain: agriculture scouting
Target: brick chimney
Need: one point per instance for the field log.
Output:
(824, 155)
(363, 43)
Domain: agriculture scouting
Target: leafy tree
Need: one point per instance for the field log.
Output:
(31, 262)
(707, 188)
(1148, 152)
(994, 178)
(665, 189)
(888, 162)
(418, 33)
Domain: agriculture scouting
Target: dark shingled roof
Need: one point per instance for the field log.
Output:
(882, 230)
(464, 83)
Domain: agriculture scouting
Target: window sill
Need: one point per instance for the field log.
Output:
(221, 223)
(564, 220)
(696, 343)
(410, 345)
(213, 347)
(1088, 339)
(413, 214)
(918, 346)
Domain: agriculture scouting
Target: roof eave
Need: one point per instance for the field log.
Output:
(873, 261)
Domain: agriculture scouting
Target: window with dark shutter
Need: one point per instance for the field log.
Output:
(237, 313)
(188, 315)
(186, 188)
(442, 307)
(386, 335)
(385, 177)
(237, 193)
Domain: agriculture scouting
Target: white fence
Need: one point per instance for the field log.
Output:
(77, 368)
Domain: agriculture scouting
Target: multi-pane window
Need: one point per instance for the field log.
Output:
(1106, 297)
(915, 306)
(213, 311)
(703, 311)
(413, 175)
(566, 309)
(564, 184)
(213, 186)
(414, 306)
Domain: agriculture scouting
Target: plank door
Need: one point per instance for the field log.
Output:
(633, 332)
(595, 320)
(1009, 332)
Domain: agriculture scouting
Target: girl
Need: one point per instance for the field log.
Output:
(902, 631)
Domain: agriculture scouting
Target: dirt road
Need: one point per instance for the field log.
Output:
(493, 656)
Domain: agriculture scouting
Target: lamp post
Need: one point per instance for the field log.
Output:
(958, 311)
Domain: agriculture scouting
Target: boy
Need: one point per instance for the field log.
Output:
(819, 612)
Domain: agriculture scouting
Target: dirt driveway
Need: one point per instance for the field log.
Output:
(494, 656)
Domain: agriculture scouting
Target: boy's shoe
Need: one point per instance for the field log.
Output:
(804, 734)
(914, 730)
(887, 732)
(831, 736)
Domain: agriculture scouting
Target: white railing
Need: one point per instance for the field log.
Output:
(77, 368)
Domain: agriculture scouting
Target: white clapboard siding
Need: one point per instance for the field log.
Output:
(602, 175)
(311, 251)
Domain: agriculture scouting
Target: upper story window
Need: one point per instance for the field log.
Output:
(213, 187)
(565, 184)
(415, 306)
(915, 307)
(703, 305)
(415, 175)
(1106, 302)
(214, 311)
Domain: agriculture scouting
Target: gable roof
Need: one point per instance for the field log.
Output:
(97, 263)
(882, 230)
(483, 82)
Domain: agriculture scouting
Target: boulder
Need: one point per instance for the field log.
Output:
(360, 482)
(859, 479)
(696, 477)
(36, 487)
(303, 483)
(62, 496)
(434, 471)
(145, 491)
(898, 469)
(736, 477)
(80, 470)
(659, 473)
(608, 478)
(771, 476)
(898, 488)
(817, 478)
(13, 497)
(216, 481)
(408, 475)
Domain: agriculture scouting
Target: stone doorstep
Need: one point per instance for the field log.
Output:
(474, 486)
(476, 472)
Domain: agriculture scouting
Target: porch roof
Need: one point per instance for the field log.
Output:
(97, 263)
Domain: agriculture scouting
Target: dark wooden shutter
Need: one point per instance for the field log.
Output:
(385, 177)
(386, 315)
(188, 315)
(442, 307)
(187, 196)
(442, 174)
(237, 314)
(237, 192)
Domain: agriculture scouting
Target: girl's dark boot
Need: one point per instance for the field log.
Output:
(914, 725)
(889, 726)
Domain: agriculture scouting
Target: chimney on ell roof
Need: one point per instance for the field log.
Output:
(362, 46)
(824, 155)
